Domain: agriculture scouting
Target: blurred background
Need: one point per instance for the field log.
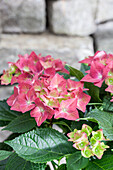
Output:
(66, 29)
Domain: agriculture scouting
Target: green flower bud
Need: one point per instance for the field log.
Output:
(87, 152)
(93, 140)
(98, 135)
(71, 135)
(104, 146)
(87, 129)
(98, 150)
(82, 142)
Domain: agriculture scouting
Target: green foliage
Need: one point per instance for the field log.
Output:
(41, 145)
(21, 124)
(93, 92)
(104, 119)
(62, 167)
(105, 163)
(4, 146)
(4, 154)
(5, 113)
(107, 105)
(3, 123)
(76, 161)
(3, 164)
(16, 163)
(76, 73)
(83, 68)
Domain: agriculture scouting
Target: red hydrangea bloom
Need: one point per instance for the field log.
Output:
(101, 69)
(97, 74)
(42, 91)
(100, 56)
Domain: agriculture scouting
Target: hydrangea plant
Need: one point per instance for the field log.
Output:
(49, 93)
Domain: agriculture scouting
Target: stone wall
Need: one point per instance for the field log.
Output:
(66, 29)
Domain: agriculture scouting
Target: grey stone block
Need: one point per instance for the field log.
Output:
(5, 92)
(69, 49)
(72, 17)
(104, 37)
(23, 16)
(104, 10)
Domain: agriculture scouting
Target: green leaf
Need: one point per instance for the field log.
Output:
(107, 105)
(3, 123)
(76, 73)
(5, 113)
(4, 146)
(4, 154)
(78, 124)
(3, 164)
(16, 163)
(105, 163)
(104, 119)
(66, 76)
(63, 123)
(41, 145)
(76, 161)
(21, 124)
(62, 167)
(47, 167)
(102, 91)
(93, 92)
(84, 67)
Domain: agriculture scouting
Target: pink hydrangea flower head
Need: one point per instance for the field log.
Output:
(99, 56)
(98, 73)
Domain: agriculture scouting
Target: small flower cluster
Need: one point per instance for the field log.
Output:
(30, 67)
(88, 141)
(101, 69)
(42, 91)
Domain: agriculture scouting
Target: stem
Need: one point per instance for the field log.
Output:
(95, 104)
(64, 124)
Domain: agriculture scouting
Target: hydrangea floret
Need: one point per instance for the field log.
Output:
(91, 143)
